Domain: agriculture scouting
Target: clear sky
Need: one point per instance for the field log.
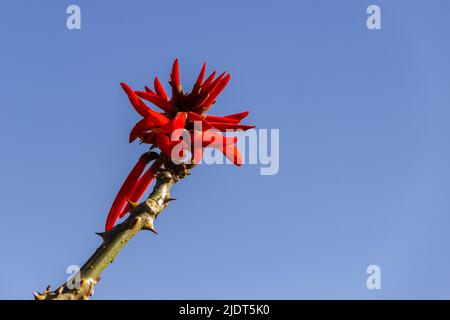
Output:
(364, 119)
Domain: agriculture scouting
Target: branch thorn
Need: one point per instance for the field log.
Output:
(38, 296)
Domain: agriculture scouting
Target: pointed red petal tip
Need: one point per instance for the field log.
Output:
(159, 89)
(201, 75)
(198, 83)
(175, 75)
(126, 88)
(137, 103)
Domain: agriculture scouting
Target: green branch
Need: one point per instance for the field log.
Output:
(141, 218)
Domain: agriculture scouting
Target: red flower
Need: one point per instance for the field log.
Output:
(178, 112)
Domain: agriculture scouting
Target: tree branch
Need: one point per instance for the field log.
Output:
(140, 218)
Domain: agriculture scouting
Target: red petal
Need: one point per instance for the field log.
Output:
(135, 101)
(159, 89)
(141, 108)
(141, 186)
(175, 75)
(156, 100)
(121, 197)
(199, 81)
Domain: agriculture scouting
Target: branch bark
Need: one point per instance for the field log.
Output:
(140, 218)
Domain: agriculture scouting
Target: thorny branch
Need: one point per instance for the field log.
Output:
(141, 217)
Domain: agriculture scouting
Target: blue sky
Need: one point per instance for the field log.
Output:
(364, 157)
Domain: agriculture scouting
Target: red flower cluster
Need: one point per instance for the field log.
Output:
(180, 112)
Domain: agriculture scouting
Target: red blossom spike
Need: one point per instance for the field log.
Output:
(121, 197)
(175, 75)
(159, 89)
(229, 126)
(199, 81)
(156, 100)
(141, 186)
(141, 108)
(135, 101)
(156, 129)
(140, 127)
